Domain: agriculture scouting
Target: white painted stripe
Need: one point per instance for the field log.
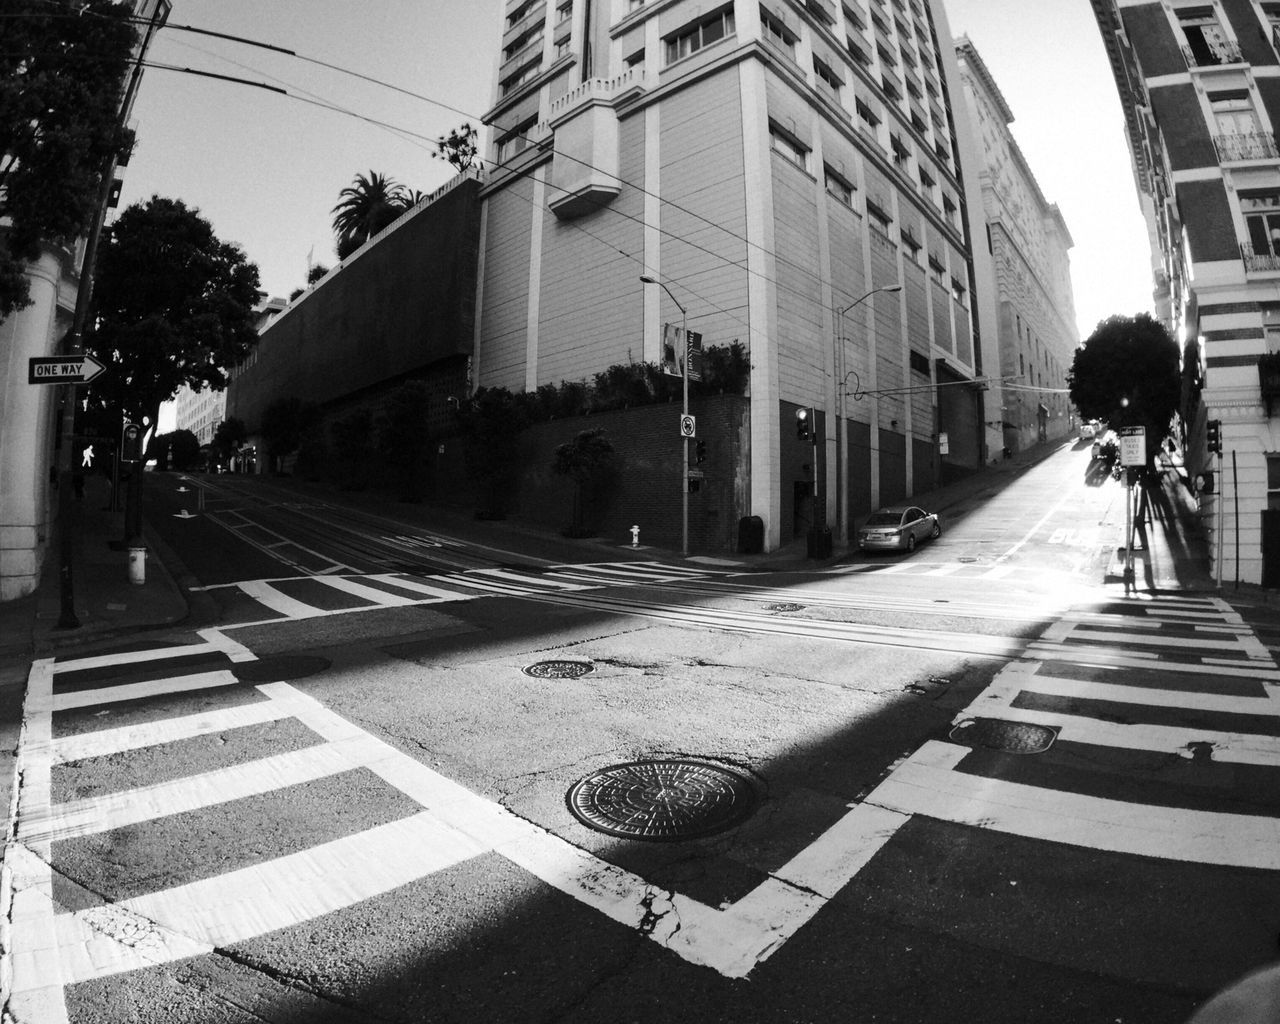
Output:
(134, 657)
(897, 567)
(1170, 833)
(488, 586)
(1137, 659)
(1198, 701)
(379, 597)
(544, 582)
(263, 898)
(264, 593)
(1228, 747)
(418, 587)
(944, 570)
(233, 649)
(139, 691)
(1121, 639)
(170, 730)
(998, 573)
(97, 814)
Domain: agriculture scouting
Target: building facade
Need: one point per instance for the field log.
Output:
(28, 414)
(1030, 246)
(1199, 84)
(789, 174)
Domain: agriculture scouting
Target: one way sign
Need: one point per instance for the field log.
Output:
(63, 369)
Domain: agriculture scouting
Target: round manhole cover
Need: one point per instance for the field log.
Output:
(1009, 737)
(559, 669)
(662, 801)
(276, 669)
(784, 607)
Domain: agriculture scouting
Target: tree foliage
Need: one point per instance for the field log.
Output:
(286, 423)
(1128, 374)
(365, 207)
(173, 305)
(458, 148)
(404, 437)
(228, 437)
(588, 461)
(63, 68)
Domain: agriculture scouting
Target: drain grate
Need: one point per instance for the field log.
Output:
(784, 607)
(561, 668)
(1009, 737)
(662, 801)
(279, 668)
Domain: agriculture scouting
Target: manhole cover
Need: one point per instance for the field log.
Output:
(966, 558)
(273, 670)
(562, 669)
(784, 607)
(662, 801)
(1009, 737)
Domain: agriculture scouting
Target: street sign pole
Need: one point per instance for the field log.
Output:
(1133, 453)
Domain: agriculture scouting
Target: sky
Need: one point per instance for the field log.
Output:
(266, 169)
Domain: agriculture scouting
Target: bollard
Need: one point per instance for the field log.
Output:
(137, 565)
(635, 536)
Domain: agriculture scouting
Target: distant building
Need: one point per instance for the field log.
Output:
(1199, 83)
(28, 414)
(1030, 247)
(773, 165)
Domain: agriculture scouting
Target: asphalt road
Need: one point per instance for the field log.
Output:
(976, 783)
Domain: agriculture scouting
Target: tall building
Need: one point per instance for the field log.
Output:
(1030, 247)
(28, 413)
(789, 174)
(1199, 83)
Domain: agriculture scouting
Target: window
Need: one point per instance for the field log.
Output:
(926, 179)
(1206, 40)
(1261, 211)
(853, 17)
(564, 11)
(562, 48)
(957, 291)
(879, 216)
(693, 38)
(516, 16)
(515, 141)
(525, 74)
(919, 362)
(636, 61)
(912, 244)
(949, 208)
(901, 154)
(838, 186)
(1273, 481)
(866, 115)
(788, 146)
(778, 33)
(856, 51)
(828, 81)
(937, 269)
(531, 35)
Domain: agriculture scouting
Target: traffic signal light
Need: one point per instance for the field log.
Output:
(1213, 434)
(700, 452)
(131, 443)
(804, 424)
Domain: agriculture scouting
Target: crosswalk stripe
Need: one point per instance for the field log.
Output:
(1081, 633)
(418, 587)
(138, 691)
(920, 786)
(489, 586)
(199, 917)
(544, 582)
(1232, 747)
(192, 793)
(138, 657)
(999, 572)
(373, 594)
(105, 742)
(264, 593)
(1147, 660)
(1119, 693)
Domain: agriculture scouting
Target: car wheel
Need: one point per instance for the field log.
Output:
(911, 542)
(937, 529)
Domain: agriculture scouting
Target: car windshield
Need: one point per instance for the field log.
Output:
(884, 519)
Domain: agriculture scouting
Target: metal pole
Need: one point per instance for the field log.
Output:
(684, 441)
(1235, 494)
(1128, 529)
(1221, 519)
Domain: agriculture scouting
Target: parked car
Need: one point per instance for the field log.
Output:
(898, 529)
(1106, 447)
(1089, 429)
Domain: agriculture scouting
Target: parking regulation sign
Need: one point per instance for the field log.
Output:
(1133, 446)
(688, 426)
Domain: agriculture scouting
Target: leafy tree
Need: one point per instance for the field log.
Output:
(173, 305)
(458, 147)
(62, 72)
(491, 423)
(316, 272)
(228, 437)
(365, 207)
(404, 437)
(286, 423)
(184, 449)
(588, 461)
(1128, 374)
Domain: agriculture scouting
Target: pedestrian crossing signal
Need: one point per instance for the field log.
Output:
(804, 424)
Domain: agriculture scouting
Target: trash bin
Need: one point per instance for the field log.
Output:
(750, 535)
(820, 543)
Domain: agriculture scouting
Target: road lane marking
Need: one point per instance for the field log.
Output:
(1035, 812)
(140, 691)
(240, 905)
(151, 654)
(264, 593)
(1119, 693)
(105, 742)
(370, 594)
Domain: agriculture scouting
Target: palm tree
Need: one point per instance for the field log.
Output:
(365, 207)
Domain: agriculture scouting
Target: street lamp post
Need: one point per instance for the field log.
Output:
(684, 407)
(842, 432)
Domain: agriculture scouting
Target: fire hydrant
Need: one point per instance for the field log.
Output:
(635, 536)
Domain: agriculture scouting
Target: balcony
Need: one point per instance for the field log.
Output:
(1246, 146)
(1212, 55)
(1258, 262)
(584, 173)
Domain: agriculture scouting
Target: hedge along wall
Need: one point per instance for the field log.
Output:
(646, 491)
